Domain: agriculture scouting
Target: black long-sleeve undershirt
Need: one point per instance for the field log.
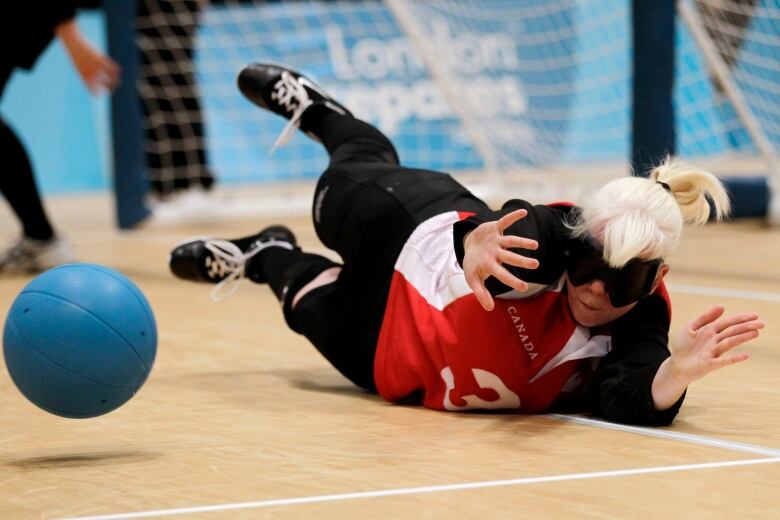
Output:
(27, 28)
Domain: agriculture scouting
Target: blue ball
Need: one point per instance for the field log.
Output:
(80, 340)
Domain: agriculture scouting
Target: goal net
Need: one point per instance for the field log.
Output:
(498, 92)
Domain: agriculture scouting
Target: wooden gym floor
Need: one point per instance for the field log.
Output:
(241, 418)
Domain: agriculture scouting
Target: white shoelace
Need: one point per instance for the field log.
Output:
(229, 261)
(292, 95)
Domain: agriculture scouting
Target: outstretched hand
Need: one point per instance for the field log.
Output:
(98, 72)
(704, 345)
(486, 248)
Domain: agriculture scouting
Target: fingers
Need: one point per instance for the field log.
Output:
(732, 359)
(482, 294)
(734, 341)
(741, 326)
(475, 281)
(508, 278)
(487, 249)
(112, 73)
(484, 299)
(734, 331)
(515, 242)
(729, 321)
(708, 317)
(95, 84)
(102, 76)
(737, 335)
(508, 257)
(510, 218)
(475, 276)
(109, 79)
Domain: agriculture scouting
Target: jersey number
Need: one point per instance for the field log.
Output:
(506, 397)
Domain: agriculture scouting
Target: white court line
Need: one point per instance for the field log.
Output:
(423, 489)
(666, 434)
(720, 291)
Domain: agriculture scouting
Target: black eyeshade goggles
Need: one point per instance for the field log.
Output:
(627, 284)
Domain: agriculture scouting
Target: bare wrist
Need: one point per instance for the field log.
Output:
(66, 29)
(466, 239)
(69, 34)
(676, 374)
(667, 386)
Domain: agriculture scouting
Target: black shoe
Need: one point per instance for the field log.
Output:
(215, 260)
(285, 92)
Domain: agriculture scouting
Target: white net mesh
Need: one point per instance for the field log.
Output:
(732, 106)
(498, 87)
(173, 120)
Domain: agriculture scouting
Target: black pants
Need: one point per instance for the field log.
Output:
(17, 183)
(365, 207)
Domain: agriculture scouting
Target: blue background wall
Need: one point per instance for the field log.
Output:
(67, 131)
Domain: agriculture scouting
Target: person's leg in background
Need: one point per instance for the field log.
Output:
(38, 248)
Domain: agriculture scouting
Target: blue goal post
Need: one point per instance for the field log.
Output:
(130, 182)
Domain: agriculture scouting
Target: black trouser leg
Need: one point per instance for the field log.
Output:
(17, 183)
(320, 316)
(286, 270)
(349, 140)
(358, 217)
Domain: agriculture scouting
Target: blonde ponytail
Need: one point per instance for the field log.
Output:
(690, 188)
(637, 217)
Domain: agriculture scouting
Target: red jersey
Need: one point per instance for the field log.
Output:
(437, 342)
